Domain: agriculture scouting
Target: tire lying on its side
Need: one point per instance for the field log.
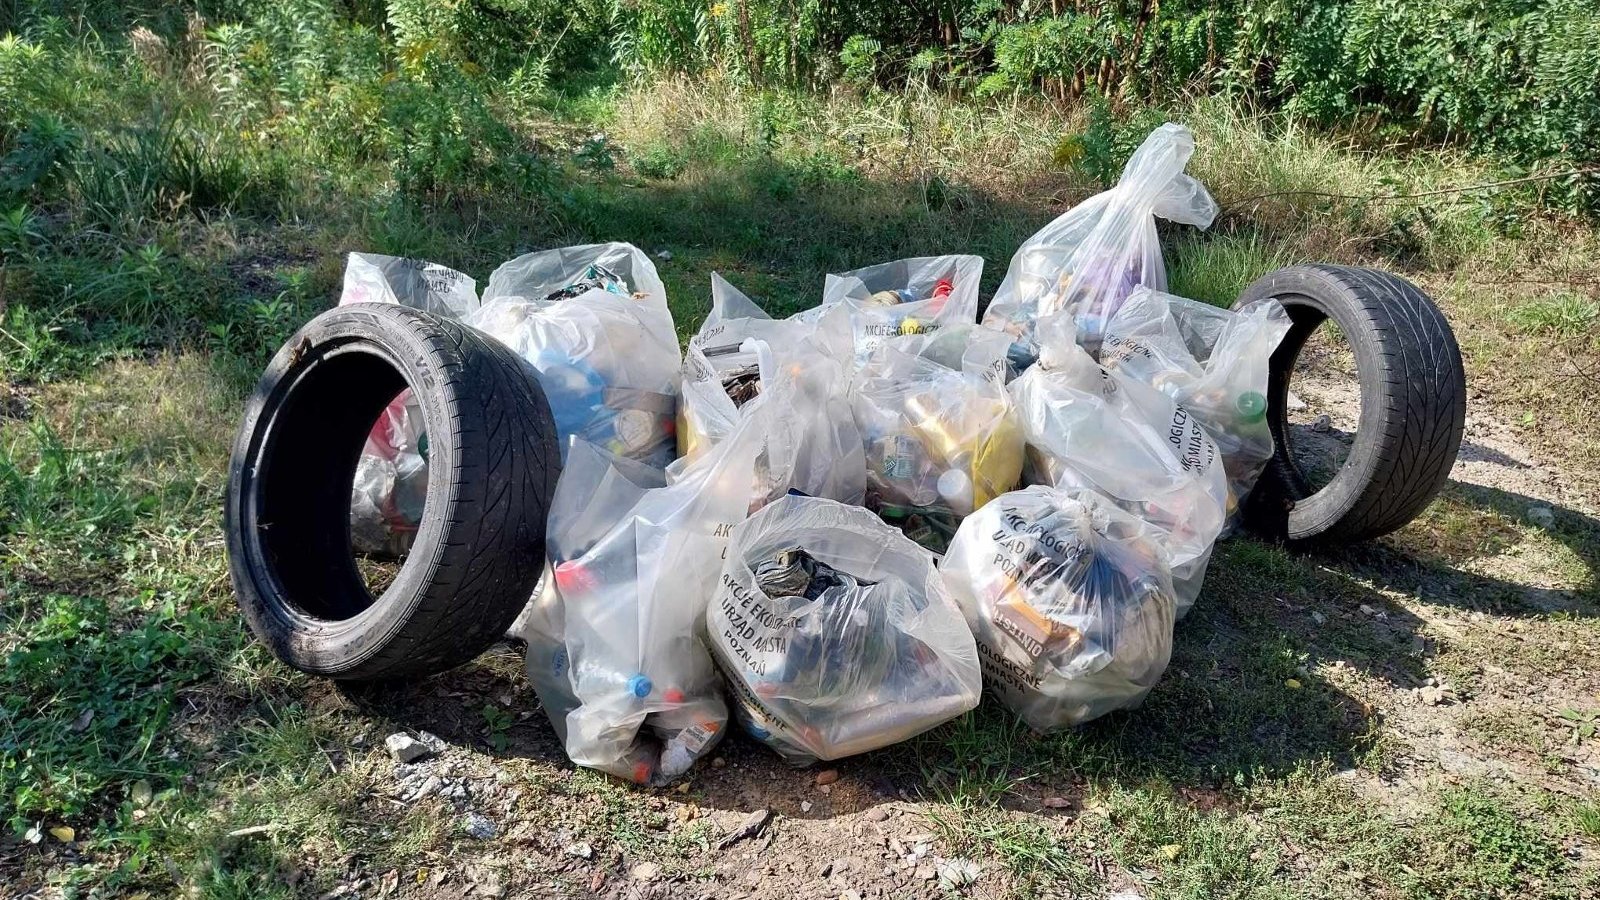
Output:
(479, 549)
(1413, 404)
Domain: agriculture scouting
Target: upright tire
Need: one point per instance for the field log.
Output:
(479, 549)
(1413, 404)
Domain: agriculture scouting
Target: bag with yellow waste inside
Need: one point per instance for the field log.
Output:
(836, 633)
(1070, 600)
(940, 441)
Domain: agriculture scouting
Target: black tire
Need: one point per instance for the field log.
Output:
(1413, 404)
(479, 549)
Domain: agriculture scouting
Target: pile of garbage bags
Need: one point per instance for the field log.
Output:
(839, 527)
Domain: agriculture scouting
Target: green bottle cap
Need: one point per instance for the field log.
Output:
(1252, 406)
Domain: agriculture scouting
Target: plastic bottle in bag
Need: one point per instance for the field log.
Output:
(391, 481)
(1070, 601)
(905, 297)
(1092, 257)
(593, 320)
(633, 563)
(940, 441)
(1087, 427)
(1212, 361)
(836, 633)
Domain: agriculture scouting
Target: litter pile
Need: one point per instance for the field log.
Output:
(841, 525)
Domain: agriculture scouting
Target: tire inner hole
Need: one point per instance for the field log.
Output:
(1324, 405)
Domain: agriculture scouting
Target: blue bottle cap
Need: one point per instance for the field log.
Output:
(640, 686)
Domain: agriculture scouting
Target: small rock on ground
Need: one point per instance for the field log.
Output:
(827, 776)
(406, 749)
(479, 827)
(645, 871)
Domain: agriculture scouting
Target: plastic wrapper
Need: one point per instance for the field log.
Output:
(594, 322)
(793, 374)
(391, 480)
(1091, 258)
(1212, 361)
(905, 297)
(836, 633)
(615, 636)
(1087, 427)
(940, 441)
(1070, 600)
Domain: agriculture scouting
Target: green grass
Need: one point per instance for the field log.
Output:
(161, 234)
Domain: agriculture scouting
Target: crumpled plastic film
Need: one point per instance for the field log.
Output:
(391, 481)
(1070, 600)
(618, 644)
(940, 441)
(1091, 257)
(836, 633)
(1087, 427)
(907, 296)
(1213, 361)
(593, 320)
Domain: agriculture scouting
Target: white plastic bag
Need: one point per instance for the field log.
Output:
(633, 563)
(836, 633)
(1091, 258)
(795, 374)
(908, 296)
(1070, 600)
(594, 322)
(940, 441)
(1212, 361)
(1088, 427)
(391, 479)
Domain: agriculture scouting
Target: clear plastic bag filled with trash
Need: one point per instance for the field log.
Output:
(593, 320)
(633, 564)
(904, 297)
(391, 479)
(1087, 427)
(940, 440)
(836, 633)
(1212, 361)
(1070, 600)
(796, 375)
(1091, 258)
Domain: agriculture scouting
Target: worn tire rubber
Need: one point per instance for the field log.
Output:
(479, 549)
(1413, 404)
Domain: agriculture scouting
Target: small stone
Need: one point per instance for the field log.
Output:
(406, 749)
(1433, 695)
(664, 255)
(958, 872)
(479, 827)
(925, 872)
(805, 806)
(850, 895)
(81, 723)
(597, 880)
(876, 814)
(827, 776)
(141, 794)
(749, 828)
(427, 789)
(1057, 803)
(1319, 618)
(718, 763)
(825, 790)
(581, 850)
(1322, 425)
(1541, 516)
(1367, 610)
(645, 871)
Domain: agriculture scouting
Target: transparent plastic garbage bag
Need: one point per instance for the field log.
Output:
(391, 479)
(593, 320)
(836, 633)
(940, 441)
(615, 637)
(907, 296)
(1087, 427)
(1091, 257)
(1070, 600)
(794, 374)
(1212, 361)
